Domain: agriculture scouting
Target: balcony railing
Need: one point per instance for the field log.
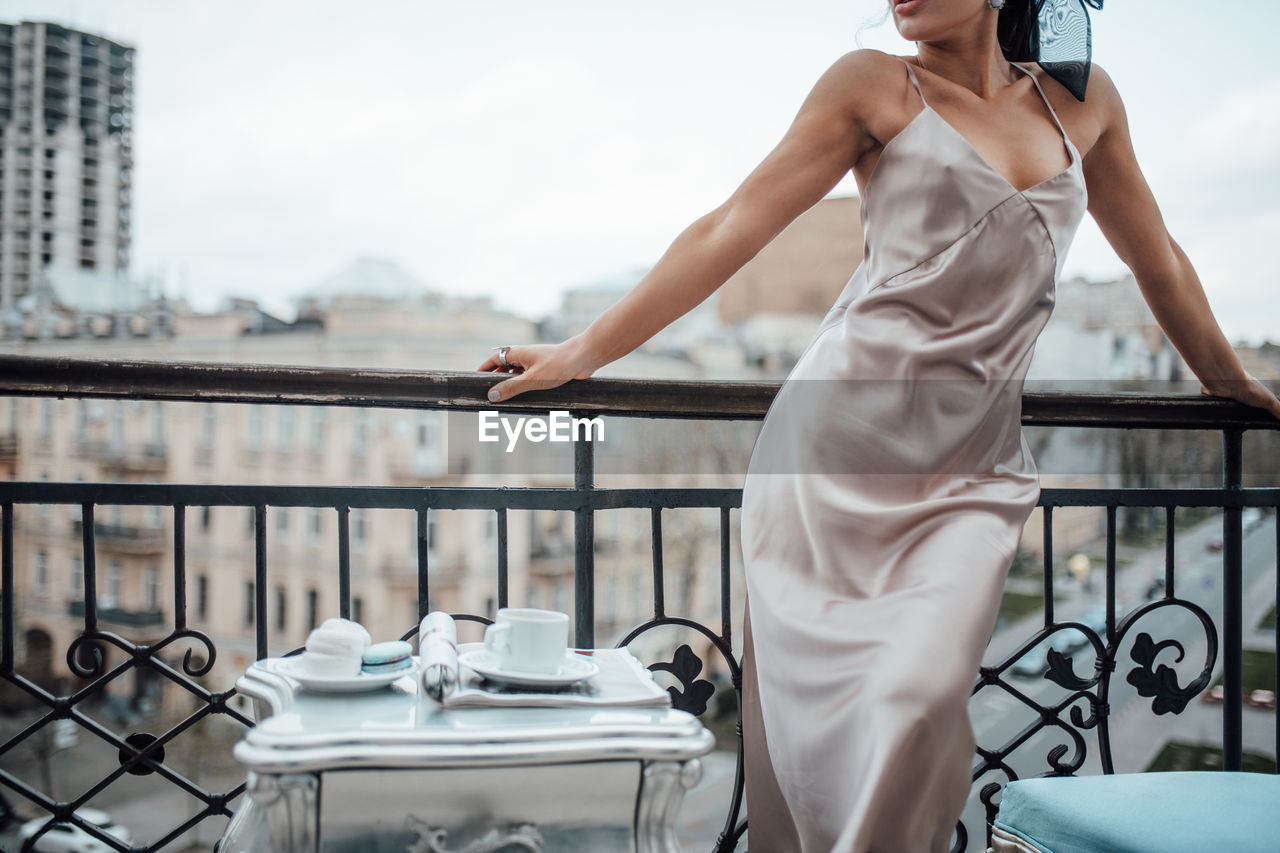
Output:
(1121, 643)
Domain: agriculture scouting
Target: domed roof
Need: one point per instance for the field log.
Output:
(370, 278)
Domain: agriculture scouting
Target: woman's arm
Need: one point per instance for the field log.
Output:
(826, 138)
(1122, 204)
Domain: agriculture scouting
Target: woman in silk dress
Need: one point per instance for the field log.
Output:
(856, 727)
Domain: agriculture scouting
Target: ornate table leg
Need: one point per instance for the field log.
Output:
(290, 805)
(661, 793)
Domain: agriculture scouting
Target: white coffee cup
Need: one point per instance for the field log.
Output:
(529, 640)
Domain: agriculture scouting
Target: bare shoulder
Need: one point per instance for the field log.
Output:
(868, 74)
(869, 62)
(1108, 108)
(868, 84)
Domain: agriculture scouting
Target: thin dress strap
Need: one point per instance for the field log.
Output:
(911, 73)
(1052, 112)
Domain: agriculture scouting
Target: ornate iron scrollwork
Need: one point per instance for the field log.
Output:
(686, 666)
(1062, 673)
(1160, 682)
(432, 839)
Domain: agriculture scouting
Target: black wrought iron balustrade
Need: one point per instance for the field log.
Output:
(183, 654)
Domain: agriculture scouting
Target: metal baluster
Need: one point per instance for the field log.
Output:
(180, 567)
(344, 562)
(1047, 512)
(726, 616)
(1168, 552)
(584, 541)
(90, 568)
(260, 579)
(1232, 603)
(659, 582)
(422, 562)
(502, 557)
(6, 585)
(1111, 573)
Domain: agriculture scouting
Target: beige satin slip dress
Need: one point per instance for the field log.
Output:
(885, 498)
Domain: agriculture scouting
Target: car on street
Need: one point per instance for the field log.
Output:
(69, 838)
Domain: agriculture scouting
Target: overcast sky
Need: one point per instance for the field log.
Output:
(518, 148)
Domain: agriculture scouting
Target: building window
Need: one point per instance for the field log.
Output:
(285, 433)
(282, 523)
(208, 425)
(115, 584)
(360, 438)
(46, 418)
(319, 418)
(359, 528)
(637, 603)
(611, 599)
(202, 597)
(281, 616)
(313, 609)
(153, 587)
(117, 425)
(205, 518)
(42, 572)
(157, 423)
(253, 433)
(248, 604)
(357, 609)
(77, 579)
(82, 420)
(317, 524)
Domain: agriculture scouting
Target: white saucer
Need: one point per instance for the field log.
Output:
(292, 667)
(575, 668)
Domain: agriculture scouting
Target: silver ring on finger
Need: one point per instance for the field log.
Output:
(502, 357)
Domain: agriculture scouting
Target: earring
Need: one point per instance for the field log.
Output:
(996, 4)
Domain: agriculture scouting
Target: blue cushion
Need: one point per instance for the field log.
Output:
(1174, 812)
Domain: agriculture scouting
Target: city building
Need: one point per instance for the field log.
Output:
(66, 156)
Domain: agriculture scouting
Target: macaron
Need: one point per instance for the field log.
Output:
(379, 658)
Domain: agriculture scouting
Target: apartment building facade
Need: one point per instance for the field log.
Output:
(66, 156)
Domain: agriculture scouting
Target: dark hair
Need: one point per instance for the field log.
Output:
(1018, 31)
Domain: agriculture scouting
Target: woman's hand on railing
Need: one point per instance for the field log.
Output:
(1249, 391)
(537, 367)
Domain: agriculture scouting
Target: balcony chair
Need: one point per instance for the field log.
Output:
(1171, 812)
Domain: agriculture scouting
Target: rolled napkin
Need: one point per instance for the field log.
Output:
(438, 654)
(335, 648)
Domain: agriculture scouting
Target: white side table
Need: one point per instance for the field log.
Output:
(391, 770)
